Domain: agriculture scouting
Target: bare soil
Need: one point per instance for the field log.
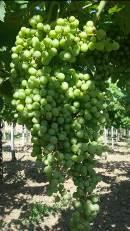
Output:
(23, 185)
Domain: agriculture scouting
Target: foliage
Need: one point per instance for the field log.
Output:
(2, 224)
(7, 111)
(123, 16)
(116, 104)
(38, 211)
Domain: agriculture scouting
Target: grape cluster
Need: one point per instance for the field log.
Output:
(61, 105)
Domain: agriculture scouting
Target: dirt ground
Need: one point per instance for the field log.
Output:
(23, 186)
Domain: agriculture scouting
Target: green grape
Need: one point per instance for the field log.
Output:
(100, 34)
(32, 71)
(84, 47)
(20, 107)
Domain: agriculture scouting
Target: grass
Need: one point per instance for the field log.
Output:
(2, 224)
(37, 211)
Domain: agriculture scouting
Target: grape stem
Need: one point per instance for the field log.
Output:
(84, 7)
(101, 7)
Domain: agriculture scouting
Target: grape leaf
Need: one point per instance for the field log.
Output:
(2, 11)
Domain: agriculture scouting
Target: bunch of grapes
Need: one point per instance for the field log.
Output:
(61, 105)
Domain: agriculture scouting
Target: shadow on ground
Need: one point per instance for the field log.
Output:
(15, 192)
(115, 205)
(114, 212)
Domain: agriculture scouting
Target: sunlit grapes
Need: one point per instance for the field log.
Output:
(61, 105)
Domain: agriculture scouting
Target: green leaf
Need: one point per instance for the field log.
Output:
(2, 11)
(115, 9)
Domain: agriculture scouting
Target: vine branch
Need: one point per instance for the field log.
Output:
(101, 7)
